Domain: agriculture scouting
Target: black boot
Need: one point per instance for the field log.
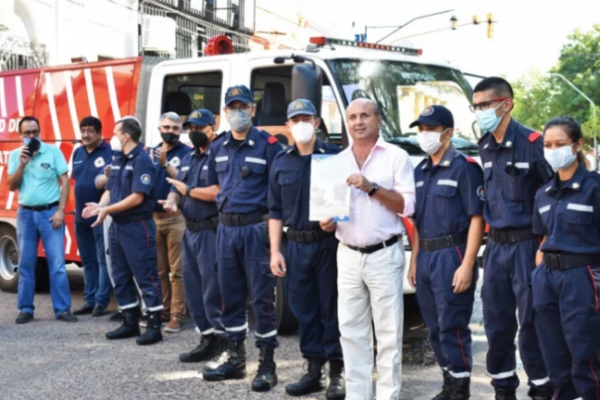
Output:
(221, 354)
(130, 326)
(538, 393)
(337, 384)
(266, 377)
(506, 393)
(233, 368)
(312, 382)
(461, 389)
(446, 388)
(206, 350)
(153, 333)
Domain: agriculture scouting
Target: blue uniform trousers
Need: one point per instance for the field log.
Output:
(567, 317)
(200, 280)
(244, 265)
(506, 288)
(312, 272)
(447, 314)
(133, 255)
(90, 242)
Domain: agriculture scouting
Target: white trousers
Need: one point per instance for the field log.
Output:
(370, 289)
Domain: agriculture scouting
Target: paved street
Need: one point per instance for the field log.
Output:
(50, 360)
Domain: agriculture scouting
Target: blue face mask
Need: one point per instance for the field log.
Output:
(487, 120)
(26, 141)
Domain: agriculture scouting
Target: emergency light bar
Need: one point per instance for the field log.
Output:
(323, 41)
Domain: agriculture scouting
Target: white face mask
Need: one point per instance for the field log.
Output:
(303, 132)
(430, 141)
(115, 144)
(560, 158)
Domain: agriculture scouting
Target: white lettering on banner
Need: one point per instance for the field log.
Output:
(4, 155)
(9, 125)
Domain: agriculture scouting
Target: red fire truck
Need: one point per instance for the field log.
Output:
(330, 72)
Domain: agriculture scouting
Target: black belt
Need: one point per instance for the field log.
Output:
(376, 247)
(41, 208)
(566, 261)
(199, 226)
(443, 242)
(242, 219)
(506, 236)
(307, 236)
(132, 218)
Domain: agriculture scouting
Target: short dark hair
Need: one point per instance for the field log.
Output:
(500, 86)
(131, 127)
(573, 130)
(28, 118)
(91, 122)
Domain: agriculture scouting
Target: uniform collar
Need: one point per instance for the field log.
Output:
(489, 142)
(446, 160)
(250, 140)
(135, 151)
(319, 148)
(574, 183)
(176, 147)
(101, 146)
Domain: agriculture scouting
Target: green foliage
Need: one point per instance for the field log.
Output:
(540, 97)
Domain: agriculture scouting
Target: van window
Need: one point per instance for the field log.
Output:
(187, 92)
(272, 87)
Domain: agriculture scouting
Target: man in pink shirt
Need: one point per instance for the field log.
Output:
(371, 256)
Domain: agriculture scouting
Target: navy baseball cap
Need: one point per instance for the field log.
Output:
(238, 93)
(201, 117)
(435, 115)
(301, 107)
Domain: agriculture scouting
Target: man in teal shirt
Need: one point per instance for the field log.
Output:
(35, 170)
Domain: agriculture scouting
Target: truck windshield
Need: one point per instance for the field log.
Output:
(402, 90)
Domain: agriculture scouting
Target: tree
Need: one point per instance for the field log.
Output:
(540, 97)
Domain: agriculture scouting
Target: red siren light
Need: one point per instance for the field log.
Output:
(218, 45)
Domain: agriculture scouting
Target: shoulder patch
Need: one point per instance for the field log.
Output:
(533, 136)
(272, 139)
(471, 160)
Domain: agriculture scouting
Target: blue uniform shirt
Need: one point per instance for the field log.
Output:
(226, 161)
(86, 167)
(133, 173)
(174, 157)
(568, 213)
(448, 194)
(510, 194)
(289, 186)
(193, 172)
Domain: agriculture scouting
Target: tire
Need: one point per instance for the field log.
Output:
(9, 256)
(287, 323)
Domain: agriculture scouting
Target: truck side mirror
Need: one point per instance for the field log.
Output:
(307, 83)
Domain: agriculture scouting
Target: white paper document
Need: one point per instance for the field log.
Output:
(329, 193)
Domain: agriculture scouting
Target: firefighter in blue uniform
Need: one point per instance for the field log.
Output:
(566, 282)
(514, 168)
(89, 162)
(240, 164)
(312, 254)
(130, 200)
(447, 235)
(196, 200)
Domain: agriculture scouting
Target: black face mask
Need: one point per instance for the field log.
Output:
(169, 138)
(198, 139)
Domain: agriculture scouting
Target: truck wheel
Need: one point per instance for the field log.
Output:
(42, 276)
(287, 323)
(9, 259)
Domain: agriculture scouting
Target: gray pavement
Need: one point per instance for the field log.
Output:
(48, 359)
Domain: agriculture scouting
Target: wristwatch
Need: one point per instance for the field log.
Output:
(188, 190)
(374, 188)
(166, 165)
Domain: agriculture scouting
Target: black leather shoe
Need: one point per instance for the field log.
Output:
(337, 384)
(312, 382)
(234, 367)
(153, 333)
(23, 318)
(205, 351)
(266, 377)
(446, 388)
(99, 311)
(506, 393)
(130, 326)
(540, 393)
(84, 310)
(67, 316)
(461, 389)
